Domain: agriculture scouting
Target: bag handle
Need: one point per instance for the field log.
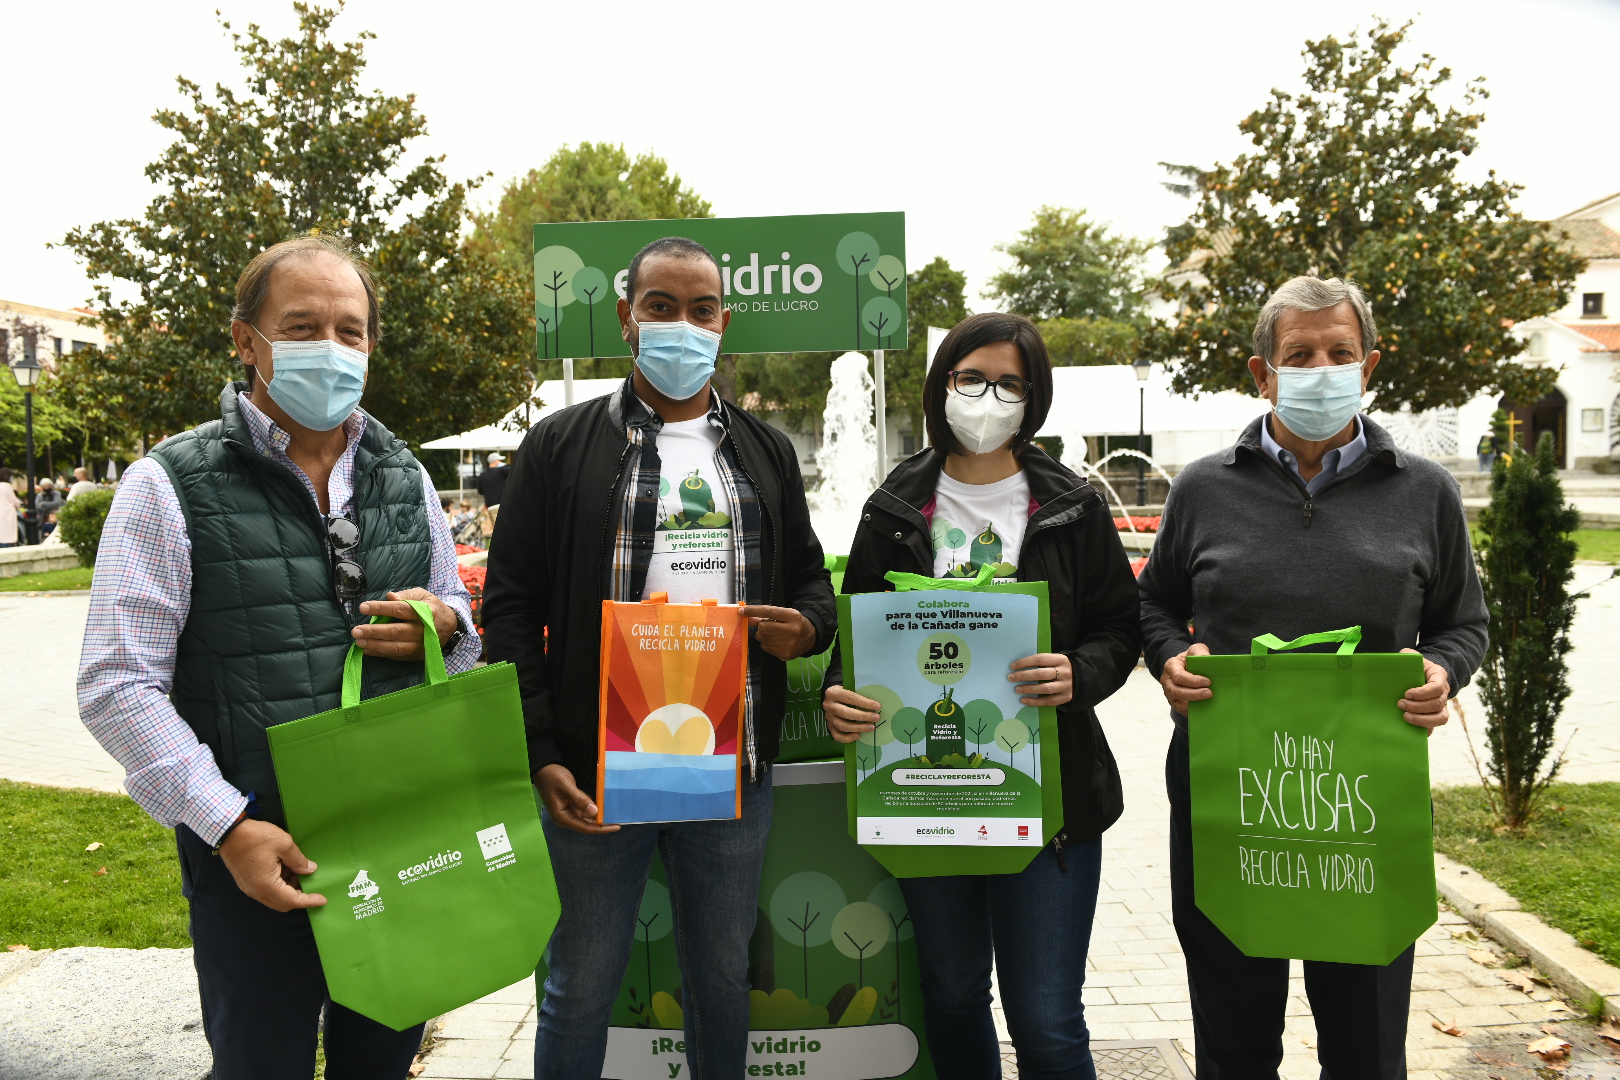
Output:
(1347, 638)
(904, 582)
(434, 662)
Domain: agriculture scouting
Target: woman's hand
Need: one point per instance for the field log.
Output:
(1044, 679)
(849, 716)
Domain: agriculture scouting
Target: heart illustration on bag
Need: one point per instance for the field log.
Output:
(676, 729)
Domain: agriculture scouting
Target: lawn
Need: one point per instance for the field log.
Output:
(1564, 867)
(52, 895)
(1599, 545)
(76, 577)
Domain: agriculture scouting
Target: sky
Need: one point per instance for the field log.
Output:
(965, 116)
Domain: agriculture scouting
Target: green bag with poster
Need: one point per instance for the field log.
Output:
(959, 777)
(1313, 834)
(418, 811)
(804, 728)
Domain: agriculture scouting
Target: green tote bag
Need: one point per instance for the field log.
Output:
(418, 811)
(804, 728)
(1313, 836)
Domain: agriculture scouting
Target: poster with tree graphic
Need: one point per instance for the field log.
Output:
(832, 961)
(956, 760)
(797, 283)
(670, 711)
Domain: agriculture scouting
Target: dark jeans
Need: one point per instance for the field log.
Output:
(1037, 924)
(712, 868)
(263, 992)
(1238, 1001)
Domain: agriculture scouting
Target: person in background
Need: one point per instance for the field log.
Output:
(49, 500)
(491, 483)
(48, 526)
(580, 526)
(985, 396)
(447, 504)
(11, 509)
(239, 562)
(1313, 521)
(81, 482)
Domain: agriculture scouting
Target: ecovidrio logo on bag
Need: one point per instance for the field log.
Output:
(445, 860)
(497, 847)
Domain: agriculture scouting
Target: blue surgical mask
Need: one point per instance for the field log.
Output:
(1316, 403)
(676, 357)
(316, 383)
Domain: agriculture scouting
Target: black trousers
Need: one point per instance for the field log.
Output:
(263, 992)
(1238, 1001)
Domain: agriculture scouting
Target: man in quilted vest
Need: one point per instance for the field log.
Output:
(239, 562)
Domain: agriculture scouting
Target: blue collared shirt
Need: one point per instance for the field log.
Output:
(1332, 461)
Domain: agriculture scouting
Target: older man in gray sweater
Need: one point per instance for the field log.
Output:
(1312, 521)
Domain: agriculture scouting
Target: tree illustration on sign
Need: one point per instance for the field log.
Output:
(1031, 717)
(857, 255)
(655, 922)
(946, 535)
(982, 716)
(802, 908)
(882, 317)
(883, 733)
(860, 930)
(888, 274)
(1012, 735)
(590, 287)
(886, 895)
(908, 724)
(554, 268)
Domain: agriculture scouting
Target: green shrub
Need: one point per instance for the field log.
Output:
(80, 521)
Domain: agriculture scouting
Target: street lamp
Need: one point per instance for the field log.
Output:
(1144, 368)
(27, 370)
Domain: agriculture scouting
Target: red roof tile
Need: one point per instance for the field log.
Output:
(1605, 335)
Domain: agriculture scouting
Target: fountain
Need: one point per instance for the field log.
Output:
(847, 459)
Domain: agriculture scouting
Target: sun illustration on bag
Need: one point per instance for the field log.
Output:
(676, 729)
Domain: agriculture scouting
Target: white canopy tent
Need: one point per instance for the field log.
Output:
(1105, 400)
(509, 432)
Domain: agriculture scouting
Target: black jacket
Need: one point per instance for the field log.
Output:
(1072, 545)
(491, 484)
(550, 562)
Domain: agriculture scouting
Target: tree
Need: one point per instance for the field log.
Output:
(1527, 557)
(591, 182)
(859, 930)
(655, 919)
(802, 909)
(301, 148)
(1091, 342)
(935, 296)
(887, 896)
(1066, 267)
(1012, 735)
(979, 719)
(594, 182)
(1357, 178)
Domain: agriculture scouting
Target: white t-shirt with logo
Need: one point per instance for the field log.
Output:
(979, 523)
(694, 541)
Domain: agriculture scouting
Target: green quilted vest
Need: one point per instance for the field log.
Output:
(266, 637)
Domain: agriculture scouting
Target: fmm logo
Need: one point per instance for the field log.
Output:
(362, 887)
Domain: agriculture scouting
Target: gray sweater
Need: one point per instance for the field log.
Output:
(1244, 551)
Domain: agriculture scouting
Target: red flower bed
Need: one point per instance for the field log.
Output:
(1142, 524)
(466, 549)
(473, 578)
(1138, 565)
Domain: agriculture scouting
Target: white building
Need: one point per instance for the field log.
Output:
(43, 334)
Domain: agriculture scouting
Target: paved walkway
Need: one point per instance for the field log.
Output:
(41, 739)
(1136, 982)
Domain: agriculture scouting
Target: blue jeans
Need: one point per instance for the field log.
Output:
(712, 868)
(1038, 925)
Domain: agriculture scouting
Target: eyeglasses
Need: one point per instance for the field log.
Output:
(342, 542)
(1008, 388)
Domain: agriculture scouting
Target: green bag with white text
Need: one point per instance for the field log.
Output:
(418, 810)
(1313, 835)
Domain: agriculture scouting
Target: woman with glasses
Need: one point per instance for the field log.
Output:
(984, 493)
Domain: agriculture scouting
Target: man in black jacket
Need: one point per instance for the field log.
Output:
(580, 523)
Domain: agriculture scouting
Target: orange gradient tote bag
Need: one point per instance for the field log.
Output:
(669, 740)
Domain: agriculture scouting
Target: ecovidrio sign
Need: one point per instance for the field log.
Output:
(808, 283)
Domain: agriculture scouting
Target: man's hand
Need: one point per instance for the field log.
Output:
(849, 716)
(1044, 679)
(402, 638)
(568, 806)
(1425, 706)
(782, 631)
(1181, 685)
(266, 863)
